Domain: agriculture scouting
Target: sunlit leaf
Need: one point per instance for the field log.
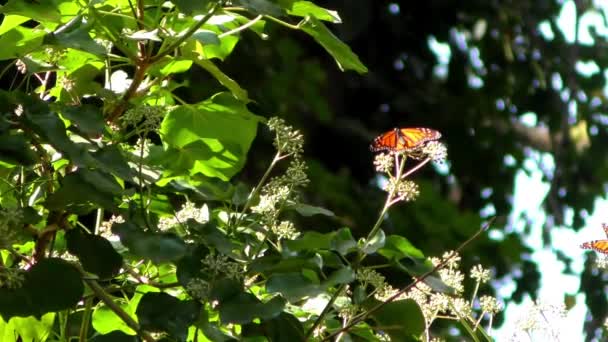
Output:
(341, 53)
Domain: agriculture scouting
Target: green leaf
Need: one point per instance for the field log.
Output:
(309, 210)
(94, 252)
(16, 150)
(170, 66)
(344, 275)
(225, 80)
(310, 240)
(37, 10)
(341, 53)
(87, 118)
(11, 21)
(293, 286)
(115, 336)
(29, 328)
(105, 321)
(189, 7)
(79, 194)
(263, 7)
(206, 37)
(49, 276)
(189, 267)
(211, 137)
(163, 312)
(20, 41)
(158, 247)
(375, 242)
(343, 242)
(307, 8)
(285, 327)
(269, 264)
(245, 307)
(402, 320)
(397, 247)
(111, 159)
(75, 34)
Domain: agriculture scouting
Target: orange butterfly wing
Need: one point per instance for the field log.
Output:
(596, 245)
(404, 139)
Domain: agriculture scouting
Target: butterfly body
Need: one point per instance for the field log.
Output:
(403, 139)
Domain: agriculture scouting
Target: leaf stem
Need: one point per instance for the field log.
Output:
(241, 28)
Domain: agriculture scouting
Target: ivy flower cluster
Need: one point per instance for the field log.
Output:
(282, 190)
(11, 222)
(436, 305)
(287, 140)
(188, 211)
(146, 118)
(543, 320)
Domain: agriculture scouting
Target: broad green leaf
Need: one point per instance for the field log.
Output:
(16, 150)
(293, 286)
(216, 238)
(307, 8)
(171, 66)
(245, 307)
(50, 275)
(310, 240)
(212, 137)
(105, 321)
(344, 275)
(309, 210)
(95, 253)
(344, 242)
(111, 160)
(208, 331)
(189, 6)
(158, 247)
(163, 312)
(397, 247)
(404, 318)
(20, 41)
(75, 34)
(285, 327)
(29, 328)
(224, 79)
(189, 267)
(115, 336)
(341, 53)
(87, 118)
(79, 195)
(206, 37)
(37, 10)
(375, 242)
(264, 7)
(11, 21)
(269, 264)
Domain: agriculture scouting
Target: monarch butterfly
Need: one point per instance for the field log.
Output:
(598, 245)
(404, 139)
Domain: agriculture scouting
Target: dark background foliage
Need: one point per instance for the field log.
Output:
(497, 42)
